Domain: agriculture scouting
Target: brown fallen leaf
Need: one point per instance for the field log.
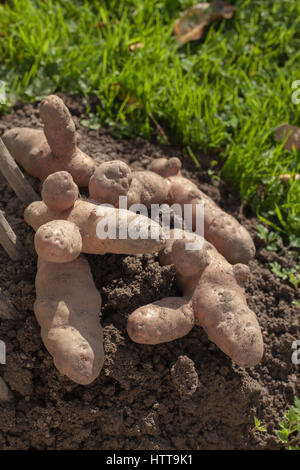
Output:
(289, 134)
(190, 25)
(137, 45)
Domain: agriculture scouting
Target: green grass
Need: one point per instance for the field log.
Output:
(224, 93)
(289, 432)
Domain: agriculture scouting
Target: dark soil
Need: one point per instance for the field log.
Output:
(181, 395)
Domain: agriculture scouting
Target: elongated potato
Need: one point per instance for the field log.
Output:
(229, 237)
(214, 295)
(163, 184)
(67, 308)
(221, 309)
(160, 322)
(219, 303)
(43, 152)
(102, 229)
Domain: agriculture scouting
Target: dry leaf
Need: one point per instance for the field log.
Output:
(137, 45)
(290, 134)
(190, 25)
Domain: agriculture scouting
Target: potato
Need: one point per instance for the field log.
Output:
(162, 184)
(214, 295)
(43, 152)
(59, 192)
(58, 241)
(67, 308)
(221, 309)
(110, 181)
(230, 238)
(160, 322)
(92, 220)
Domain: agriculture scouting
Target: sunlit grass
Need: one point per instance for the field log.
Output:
(226, 92)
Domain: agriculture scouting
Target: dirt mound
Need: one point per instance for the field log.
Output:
(182, 395)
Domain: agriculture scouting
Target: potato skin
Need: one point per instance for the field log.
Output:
(59, 192)
(147, 188)
(216, 290)
(67, 308)
(84, 215)
(221, 309)
(58, 241)
(131, 233)
(165, 167)
(110, 181)
(230, 238)
(30, 149)
(163, 183)
(166, 320)
(43, 152)
(59, 127)
(114, 179)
